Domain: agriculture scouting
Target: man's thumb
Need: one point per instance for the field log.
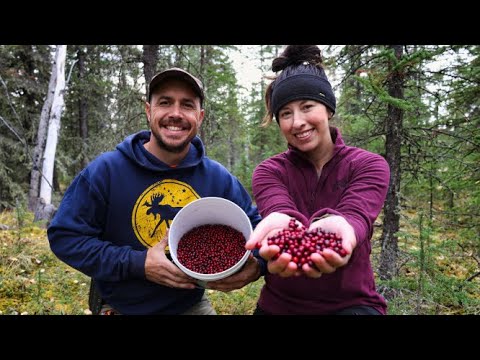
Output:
(164, 242)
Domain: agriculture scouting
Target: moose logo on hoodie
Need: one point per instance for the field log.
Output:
(157, 206)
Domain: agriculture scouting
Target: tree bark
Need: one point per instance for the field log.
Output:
(202, 65)
(389, 252)
(53, 126)
(35, 174)
(44, 212)
(150, 60)
(82, 107)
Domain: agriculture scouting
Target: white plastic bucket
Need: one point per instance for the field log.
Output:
(204, 211)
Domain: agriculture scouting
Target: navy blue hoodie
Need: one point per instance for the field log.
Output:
(120, 205)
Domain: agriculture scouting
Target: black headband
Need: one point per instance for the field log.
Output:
(302, 86)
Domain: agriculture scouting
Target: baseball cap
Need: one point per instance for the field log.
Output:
(179, 74)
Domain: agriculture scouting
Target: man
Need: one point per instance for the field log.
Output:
(114, 218)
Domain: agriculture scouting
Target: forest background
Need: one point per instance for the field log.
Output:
(416, 105)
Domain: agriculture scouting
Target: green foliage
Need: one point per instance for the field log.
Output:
(238, 302)
(375, 85)
(24, 75)
(436, 264)
(263, 142)
(32, 279)
(111, 88)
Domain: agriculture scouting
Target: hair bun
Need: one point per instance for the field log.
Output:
(297, 54)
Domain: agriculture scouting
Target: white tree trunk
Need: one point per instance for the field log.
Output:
(35, 175)
(53, 126)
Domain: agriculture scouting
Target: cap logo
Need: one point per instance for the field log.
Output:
(321, 94)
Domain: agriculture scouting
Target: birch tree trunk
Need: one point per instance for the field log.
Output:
(35, 175)
(53, 126)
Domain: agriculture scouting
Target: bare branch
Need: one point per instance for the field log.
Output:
(473, 276)
(12, 129)
(70, 72)
(9, 100)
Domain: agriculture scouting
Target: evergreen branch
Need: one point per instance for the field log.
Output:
(187, 58)
(454, 76)
(474, 258)
(12, 129)
(10, 102)
(451, 134)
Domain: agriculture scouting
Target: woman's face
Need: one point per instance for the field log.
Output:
(304, 123)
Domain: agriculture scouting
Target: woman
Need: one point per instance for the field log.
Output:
(321, 183)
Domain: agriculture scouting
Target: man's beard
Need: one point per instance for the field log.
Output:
(171, 148)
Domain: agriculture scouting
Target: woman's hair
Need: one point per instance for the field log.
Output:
(302, 77)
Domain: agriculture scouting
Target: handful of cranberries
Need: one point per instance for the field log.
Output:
(301, 243)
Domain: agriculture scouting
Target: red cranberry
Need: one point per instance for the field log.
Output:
(301, 243)
(210, 249)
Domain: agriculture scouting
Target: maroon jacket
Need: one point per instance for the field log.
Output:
(353, 184)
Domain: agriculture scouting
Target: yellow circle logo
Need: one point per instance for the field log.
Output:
(157, 206)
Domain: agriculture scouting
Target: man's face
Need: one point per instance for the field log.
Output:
(174, 114)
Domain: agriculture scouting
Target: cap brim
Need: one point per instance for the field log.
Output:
(176, 74)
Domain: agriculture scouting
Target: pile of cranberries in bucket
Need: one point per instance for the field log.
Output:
(211, 248)
(301, 243)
